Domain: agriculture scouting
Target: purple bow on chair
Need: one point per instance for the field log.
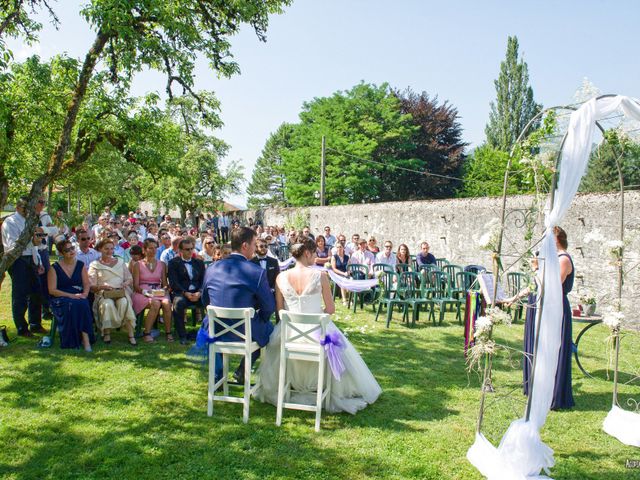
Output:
(334, 346)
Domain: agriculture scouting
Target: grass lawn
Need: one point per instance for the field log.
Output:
(138, 413)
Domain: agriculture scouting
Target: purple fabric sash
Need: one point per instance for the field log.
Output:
(334, 345)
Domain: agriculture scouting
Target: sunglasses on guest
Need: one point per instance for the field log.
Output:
(84, 239)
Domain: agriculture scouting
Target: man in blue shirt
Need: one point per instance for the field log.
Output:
(424, 257)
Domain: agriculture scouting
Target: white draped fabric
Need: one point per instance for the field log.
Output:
(521, 453)
(624, 425)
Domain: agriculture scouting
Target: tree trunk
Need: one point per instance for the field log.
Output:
(55, 167)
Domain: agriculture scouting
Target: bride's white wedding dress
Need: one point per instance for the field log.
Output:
(356, 388)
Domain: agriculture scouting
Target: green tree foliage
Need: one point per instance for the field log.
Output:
(514, 106)
(358, 124)
(602, 172)
(379, 142)
(131, 36)
(267, 187)
(436, 147)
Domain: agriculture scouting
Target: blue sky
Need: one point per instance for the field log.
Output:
(450, 49)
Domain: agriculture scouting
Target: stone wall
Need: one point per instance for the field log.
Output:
(454, 226)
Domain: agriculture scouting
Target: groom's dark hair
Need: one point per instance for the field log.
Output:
(240, 236)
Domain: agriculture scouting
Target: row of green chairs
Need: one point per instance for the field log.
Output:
(427, 289)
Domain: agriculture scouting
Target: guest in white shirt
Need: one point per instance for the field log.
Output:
(363, 256)
(84, 252)
(387, 256)
(26, 292)
(329, 239)
(352, 246)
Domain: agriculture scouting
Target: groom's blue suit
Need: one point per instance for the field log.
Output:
(235, 282)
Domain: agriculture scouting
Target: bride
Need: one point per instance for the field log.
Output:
(304, 289)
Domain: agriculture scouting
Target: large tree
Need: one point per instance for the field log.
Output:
(131, 36)
(437, 147)
(267, 187)
(514, 106)
(363, 128)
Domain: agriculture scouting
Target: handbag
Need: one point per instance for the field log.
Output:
(113, 294)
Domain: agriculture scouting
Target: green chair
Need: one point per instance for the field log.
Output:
(414, 262)
(516, 281)
(402, 267)
(442, 297)
(383, 267)
(464, 283)
(283, 252)
(388, 294)
(441, 262)
(412, 297)
(357, 272)
(451, 271)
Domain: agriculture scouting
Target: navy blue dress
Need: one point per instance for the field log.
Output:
(562, 392)
(341, 264)
(73, 315)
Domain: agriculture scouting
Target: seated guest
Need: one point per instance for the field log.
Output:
(322, 251)
(172, 252)
(118, 249)
(185, 278)
(68, 282)
(84, 253)
(150, 274)
(372, 246)
(110, 282)
(164, 240)
(208, 249)
(343, 240)
(306, 231)
(403, 257)
(363, 256)
(353, 245)
(136, 255)
(424, 257)
(225, 251)
(339, 263)
(387, 256)
(268, 263)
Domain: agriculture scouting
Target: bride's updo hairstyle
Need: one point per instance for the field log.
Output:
(301, 245)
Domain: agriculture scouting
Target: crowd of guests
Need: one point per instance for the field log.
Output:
(119, 270)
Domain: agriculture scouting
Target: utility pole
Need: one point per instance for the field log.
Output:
(323, 168)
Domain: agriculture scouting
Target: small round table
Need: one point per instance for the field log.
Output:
(590, 321)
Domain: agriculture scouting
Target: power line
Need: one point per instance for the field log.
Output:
(394, 166)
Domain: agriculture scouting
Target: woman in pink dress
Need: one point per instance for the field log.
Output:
(150, 274)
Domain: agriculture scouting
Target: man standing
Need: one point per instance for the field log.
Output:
(329, 239)
(25, 285)
(266, 262)
(224, 227)
(185, 279)
(387, 256)
(424, 257)
(235, 282)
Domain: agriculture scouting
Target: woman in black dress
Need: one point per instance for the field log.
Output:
(68, 283)
(563, 392)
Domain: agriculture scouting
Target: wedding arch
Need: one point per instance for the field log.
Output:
(521, 453)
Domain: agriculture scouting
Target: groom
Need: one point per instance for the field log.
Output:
(235, 282)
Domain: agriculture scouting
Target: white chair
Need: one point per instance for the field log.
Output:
(300, 340)
(244, 347)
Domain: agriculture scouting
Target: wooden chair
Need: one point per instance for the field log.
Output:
(238, 322)
(300, 340)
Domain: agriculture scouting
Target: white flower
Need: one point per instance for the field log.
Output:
(483, 327)
(498, 316)
(489, 239)
(613, 319)
(615, 244)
